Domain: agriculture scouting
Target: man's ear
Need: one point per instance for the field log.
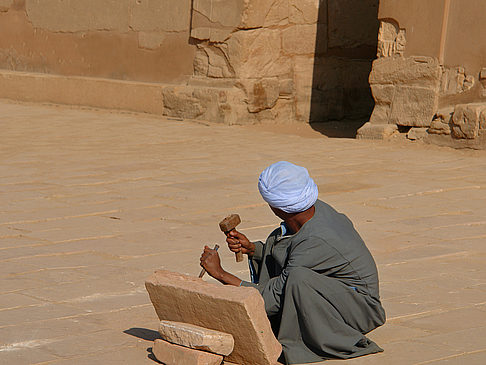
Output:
(279, 213)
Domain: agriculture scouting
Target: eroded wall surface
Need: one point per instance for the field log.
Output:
(430, 74)
(239, 61)
(140, 40)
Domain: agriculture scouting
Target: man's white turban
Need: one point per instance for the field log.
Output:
(287, 187)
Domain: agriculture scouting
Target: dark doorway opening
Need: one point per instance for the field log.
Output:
(346, 44)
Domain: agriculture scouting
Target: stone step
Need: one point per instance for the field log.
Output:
(196, 337)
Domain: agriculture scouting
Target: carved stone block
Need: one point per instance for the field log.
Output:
(170, 354)
(236, 310)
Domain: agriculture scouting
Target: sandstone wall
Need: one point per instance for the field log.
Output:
(141, 40)
(239, 61)
(430, 74)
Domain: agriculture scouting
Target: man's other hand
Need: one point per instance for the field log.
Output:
(238, 242)
(211, 262)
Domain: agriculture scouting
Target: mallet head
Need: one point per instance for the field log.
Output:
(229, 223)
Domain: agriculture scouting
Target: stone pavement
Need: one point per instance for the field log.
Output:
(92, 202)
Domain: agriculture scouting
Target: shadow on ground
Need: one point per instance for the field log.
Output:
(143, 333)
(338, 129)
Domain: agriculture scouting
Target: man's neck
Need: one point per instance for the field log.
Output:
(295, 222)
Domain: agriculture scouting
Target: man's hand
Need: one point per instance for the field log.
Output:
(211, 262)
(238, 242)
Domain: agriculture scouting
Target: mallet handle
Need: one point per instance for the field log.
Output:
(239, 256)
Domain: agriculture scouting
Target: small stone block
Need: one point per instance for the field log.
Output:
(170, 354)
(376, 131)
(482, 74)
(415, 134)
(239, 311)
(196, 337)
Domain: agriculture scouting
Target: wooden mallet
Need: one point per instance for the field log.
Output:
(228, 224)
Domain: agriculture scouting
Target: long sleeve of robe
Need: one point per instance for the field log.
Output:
(320, 286)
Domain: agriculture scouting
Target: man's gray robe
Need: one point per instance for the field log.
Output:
(320, 288)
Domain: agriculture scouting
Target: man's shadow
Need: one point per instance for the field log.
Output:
(147, 335)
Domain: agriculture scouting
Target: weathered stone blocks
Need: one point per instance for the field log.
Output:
(299, 39)
(455, 81)
(410, 71)
(76, 16)
(417, 134)
(219, 105)
(235, 310)
(170, 354)
(413, 106)
(304, 11)
(376, 131)
(257, 53)
(195, 337)
(213, 21)
(406, 90)
(468, 119)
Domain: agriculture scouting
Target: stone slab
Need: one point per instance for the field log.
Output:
(93, 92)
(419, 71)
(171, 354)
(235, 310)
(376, 131)
(196, 337)
(414, 106)
(466, 120)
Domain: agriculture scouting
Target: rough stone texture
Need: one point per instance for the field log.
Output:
(376, 131)
(266, 13)
(482, 121)
(299, 39)
(413, 106)
(215, 21)
(257, 53)
(261, 94)
(212, 61)
(212, 20)
(150, 15)
(391, 39)
(455, 81)
(5, 5)
(410, 71)
(235, 310)
(76, 16)
(417, 134)
(224, 104)
(466, 120)
(441, 122)
(406, 90)
(245, 42)
(220, 105)
(304, 11)
(171, 354)
(195, 337)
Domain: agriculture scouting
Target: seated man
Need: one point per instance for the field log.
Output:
(317, 277)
